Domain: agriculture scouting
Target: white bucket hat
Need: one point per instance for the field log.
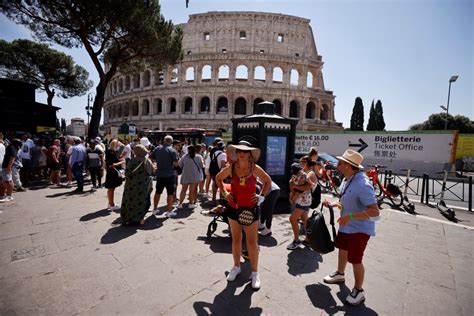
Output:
(352, 157)
(145, 142)
(243, 145)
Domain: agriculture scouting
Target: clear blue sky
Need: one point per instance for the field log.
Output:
(402, 52)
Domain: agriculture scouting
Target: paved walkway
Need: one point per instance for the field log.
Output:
(64, 254)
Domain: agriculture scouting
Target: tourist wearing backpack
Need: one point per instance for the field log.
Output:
(218, 161)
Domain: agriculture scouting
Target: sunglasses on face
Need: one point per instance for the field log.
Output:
(242, 151)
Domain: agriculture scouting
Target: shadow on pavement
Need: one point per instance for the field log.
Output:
(115, 234)
(228, 303)
(302, 261)
(321, 297)
(267, 241)
(91, 216)
(218, 244)
(70, 193)
(184, 212)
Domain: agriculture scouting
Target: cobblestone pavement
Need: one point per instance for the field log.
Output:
(63, 254)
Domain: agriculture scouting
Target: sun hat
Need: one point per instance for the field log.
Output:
(140, 150)
(243, 145)
(352, 157)
(145, 142)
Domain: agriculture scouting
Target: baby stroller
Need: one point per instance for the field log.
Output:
(220, 216)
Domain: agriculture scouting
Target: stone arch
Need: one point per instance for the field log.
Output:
(171, 105)
(190, 74)
(115, 87)
(278, 108)
(157, 106)
(136, 81)
(120, 85)
(310, 111)
(126, 109)
(222, 105)
(277, 75)
(205, 105)
(118, 110)
(188, 105)
(241, 73)
(294, 109)
(174, 76)
(255, 104)
(240, 107)
(259, 73)
(224, 72)
(309, 79)
(135, 108)
(146, 78)
(324, 115)
(145, 107)
(294, 77)
(206, 74)
(127, 83)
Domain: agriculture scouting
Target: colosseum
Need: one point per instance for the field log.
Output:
(232, 61)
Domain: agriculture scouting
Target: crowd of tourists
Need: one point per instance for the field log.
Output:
(226, 175)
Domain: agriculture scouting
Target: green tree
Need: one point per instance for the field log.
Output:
(436, 122)
(357, 118)
(379, 120)
(125, 34)
(44, 67)
(63, 125)
(58, 126)
(372, 125)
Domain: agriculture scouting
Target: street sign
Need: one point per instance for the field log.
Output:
(433, 147)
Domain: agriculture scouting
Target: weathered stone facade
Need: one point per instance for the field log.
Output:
(232, 61)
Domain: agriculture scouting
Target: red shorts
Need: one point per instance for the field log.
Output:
(354, 244)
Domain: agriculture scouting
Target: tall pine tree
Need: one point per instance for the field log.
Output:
(63, 125)
(372, 125)
(357, 118)
(379, 120)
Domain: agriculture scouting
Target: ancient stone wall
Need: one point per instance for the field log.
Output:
(232, 61)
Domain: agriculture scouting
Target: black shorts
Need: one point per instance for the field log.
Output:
(233, 213)
(168, 183)
(54, 166)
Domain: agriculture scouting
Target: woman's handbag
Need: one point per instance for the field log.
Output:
(120, 173)
(317, 231)
(246, 216)
(178, 169)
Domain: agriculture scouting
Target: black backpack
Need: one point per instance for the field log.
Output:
(214, 167)
(317, 231)
(316, 197)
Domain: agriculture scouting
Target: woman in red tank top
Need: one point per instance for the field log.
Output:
(244, 173)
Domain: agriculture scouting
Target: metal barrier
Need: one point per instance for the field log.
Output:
(433, 189)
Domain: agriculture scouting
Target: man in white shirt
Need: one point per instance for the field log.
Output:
(2, 154)
(25, 155)
(126, 152)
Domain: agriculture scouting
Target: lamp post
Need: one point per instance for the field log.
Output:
(452, 79)
(89, 107)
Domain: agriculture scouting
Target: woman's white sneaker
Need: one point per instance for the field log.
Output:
(233, 273)
(255, 281)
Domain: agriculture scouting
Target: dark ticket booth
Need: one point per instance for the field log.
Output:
(275, 136)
